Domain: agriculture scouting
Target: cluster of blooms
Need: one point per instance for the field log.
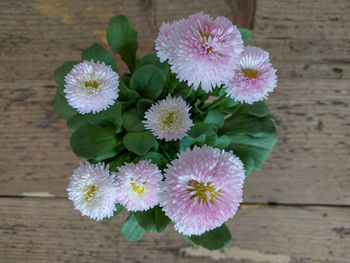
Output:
(202, 188)
(208, 52)
(95, 191)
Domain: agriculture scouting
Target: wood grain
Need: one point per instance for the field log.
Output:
(307, 39)
(310, 162)
(40, 230)
(311, 155)
(308, 171)
(35, 38)
(312, 151)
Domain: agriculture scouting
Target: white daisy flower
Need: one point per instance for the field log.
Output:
(254, 76)
(138, 185)
(169, 119)
(91, 87)
(93, 190)
(200, 49)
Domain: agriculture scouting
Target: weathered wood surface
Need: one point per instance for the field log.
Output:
(43, 230)
(308, 171)
(310, 156)
(37, 37)
(307, 39)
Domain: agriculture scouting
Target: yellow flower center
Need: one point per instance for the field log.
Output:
(203, 191)
(250, 73)
(169, 120)
(90, 191)
(91, 84)
(205, 36)
(136, 187)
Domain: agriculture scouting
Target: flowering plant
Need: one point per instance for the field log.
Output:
(174, 139)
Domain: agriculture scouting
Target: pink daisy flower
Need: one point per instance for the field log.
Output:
(91, 87)
(138, 185)
(169, 119)
(202, 189)
(202, 50)
(254, 76)
(93, 190)
(162, 40)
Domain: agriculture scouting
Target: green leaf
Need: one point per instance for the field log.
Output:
(61, 72)
(139, 142)
(215, 118)
(143, 105)
(119, 208)
(83, 119)
(111, 115)
(95, 142)
(211, 137)
(182, 90)
(257, 109)
(215, 239)
(252, 150)
(126, 94)
(188, 141)
(155, 146)
(152, 220)
(173, 82)
(98, 53)
(251, 138)
(126, 78)
(198, 129)
(247, 124)
(223, 141)
(246, 34)
(148, 80)
(131, 230)
(196, 108)
(224, 104)
(156, 158)
(132, 121)
(119, 160)
(62, 108)
(154, 60)
(216, 91)
(114, 115)
(122, 38)
(170, 149)
(128, 105)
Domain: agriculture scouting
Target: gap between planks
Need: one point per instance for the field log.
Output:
(244, 205)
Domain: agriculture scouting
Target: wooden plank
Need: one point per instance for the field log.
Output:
(311, 154)
(49, 230)
(35, 38)
(307, 39)
(56, 31)
(310, 162)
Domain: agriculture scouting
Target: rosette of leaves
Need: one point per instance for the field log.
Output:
(117, 134)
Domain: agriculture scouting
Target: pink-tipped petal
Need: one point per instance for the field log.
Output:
(91, 87)
(169, 119)
(201, 50)
(138, 185)
(202, 189)
(93, 190)
(253, 78)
